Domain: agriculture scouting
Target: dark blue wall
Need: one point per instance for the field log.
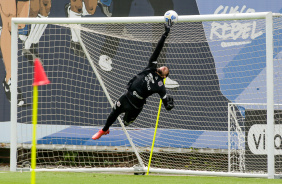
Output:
(136, 7)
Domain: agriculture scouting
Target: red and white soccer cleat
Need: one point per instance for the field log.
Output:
(100, 133)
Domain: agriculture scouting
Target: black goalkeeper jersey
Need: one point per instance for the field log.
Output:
(148, 81)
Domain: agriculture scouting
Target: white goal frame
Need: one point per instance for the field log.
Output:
(268, 16)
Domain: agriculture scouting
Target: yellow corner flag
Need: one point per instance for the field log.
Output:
(40, 78)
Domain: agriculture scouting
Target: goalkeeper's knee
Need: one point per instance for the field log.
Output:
(126, 123)
(128, 120)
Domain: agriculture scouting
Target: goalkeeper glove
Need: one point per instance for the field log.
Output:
(170, 103)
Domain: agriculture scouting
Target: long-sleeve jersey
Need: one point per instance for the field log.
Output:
(148, 81)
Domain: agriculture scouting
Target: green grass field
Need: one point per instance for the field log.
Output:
(84, 178)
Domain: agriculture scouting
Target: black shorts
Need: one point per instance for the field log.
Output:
(124, 106)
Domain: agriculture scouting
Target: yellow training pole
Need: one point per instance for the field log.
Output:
(34, 122)
(155, 133)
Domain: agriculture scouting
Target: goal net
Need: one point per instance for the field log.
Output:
(213, 60)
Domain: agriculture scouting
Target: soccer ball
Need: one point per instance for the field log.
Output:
(171, 16)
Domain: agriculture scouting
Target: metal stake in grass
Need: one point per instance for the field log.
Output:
(40, 78)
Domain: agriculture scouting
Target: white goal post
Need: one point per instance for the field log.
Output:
(216, 62)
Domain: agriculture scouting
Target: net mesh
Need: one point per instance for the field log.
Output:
(248, 118)
(211, 64)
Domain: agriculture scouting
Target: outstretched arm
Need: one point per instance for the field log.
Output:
(159, 47)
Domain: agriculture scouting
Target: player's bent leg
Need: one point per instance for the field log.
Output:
(127, 123)
(128, 120)
(117, 110)
(131, 115)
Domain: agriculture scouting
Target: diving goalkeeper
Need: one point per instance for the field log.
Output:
(140, 87)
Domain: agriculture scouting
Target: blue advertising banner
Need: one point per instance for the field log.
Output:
(239, 38)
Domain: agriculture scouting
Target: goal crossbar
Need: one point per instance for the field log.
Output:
(145, 19)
